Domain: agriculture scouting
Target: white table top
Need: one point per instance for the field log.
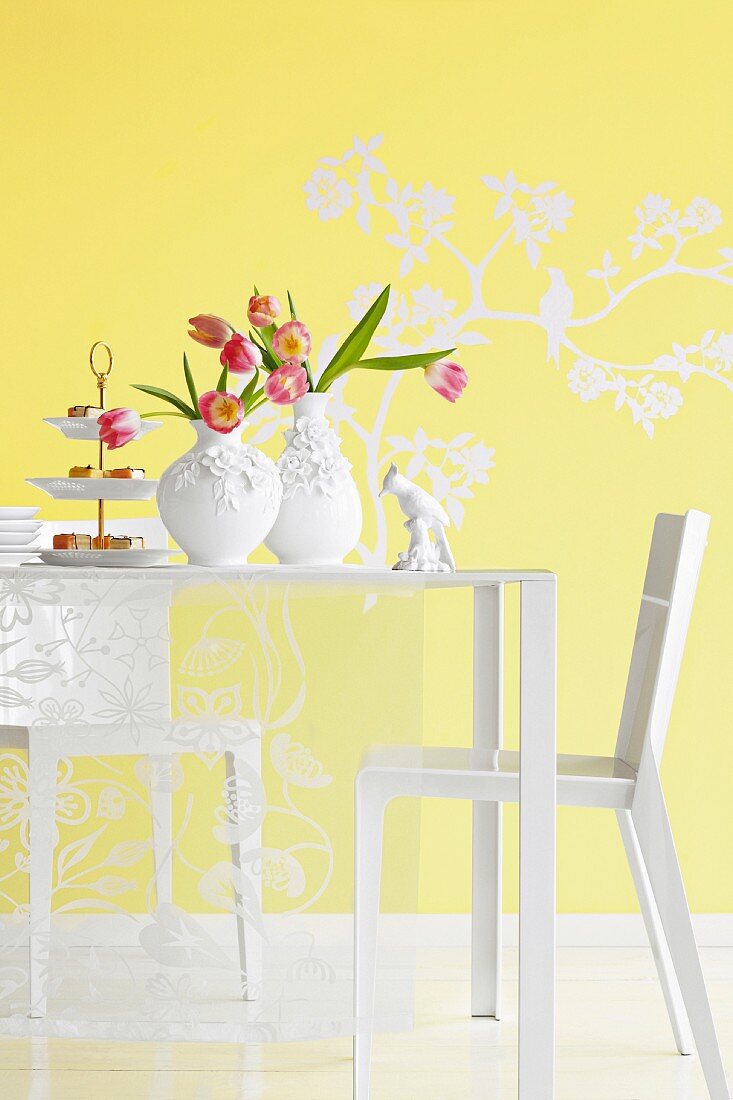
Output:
(357, 576)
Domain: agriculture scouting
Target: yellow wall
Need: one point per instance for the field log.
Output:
(153, 163)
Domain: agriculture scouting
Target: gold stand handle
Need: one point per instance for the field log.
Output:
(101, 376)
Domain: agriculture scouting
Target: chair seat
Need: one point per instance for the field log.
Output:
(581, 780)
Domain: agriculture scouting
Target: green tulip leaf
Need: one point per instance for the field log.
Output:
(269, 360)
(401, 362)
(248, 391)
(190, 382)
(356, 343)
(170, 398)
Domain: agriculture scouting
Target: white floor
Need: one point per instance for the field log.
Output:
(614, 1043)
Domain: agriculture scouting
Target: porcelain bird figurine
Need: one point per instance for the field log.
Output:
(424, 514)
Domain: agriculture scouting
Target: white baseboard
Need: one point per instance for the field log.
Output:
(426, 929)
(574, 930)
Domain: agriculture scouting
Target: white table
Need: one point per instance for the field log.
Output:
(537, 750)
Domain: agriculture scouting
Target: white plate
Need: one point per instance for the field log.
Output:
(17, 538)
(96, 488)
(10, 560)
(133, 559)
(12, 513)
(22, 525)
(86, 427)
(31, 549)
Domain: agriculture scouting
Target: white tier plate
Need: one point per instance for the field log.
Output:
(96, 488)
(86, 427)
(19, 550)
(24, 514)
(132, 559)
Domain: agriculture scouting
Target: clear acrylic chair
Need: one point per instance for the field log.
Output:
(628, 783)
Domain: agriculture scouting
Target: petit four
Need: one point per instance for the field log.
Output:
(105, 543)
(72, 542)
(85, 471)
(126, 471)
(126, 542)
(86, 410)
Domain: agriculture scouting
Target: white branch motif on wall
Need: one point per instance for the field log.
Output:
(527, 217)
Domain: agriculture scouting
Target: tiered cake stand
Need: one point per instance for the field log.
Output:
(99, 489)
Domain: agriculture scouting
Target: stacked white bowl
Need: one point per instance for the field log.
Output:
(20, 534)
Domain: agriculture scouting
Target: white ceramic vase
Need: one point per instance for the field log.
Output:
(220, 498)
(320, 517)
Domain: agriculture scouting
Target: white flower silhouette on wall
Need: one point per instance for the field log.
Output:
(419, 220)
(530, 215)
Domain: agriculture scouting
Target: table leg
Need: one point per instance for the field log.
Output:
(488, 676)
(537, 806)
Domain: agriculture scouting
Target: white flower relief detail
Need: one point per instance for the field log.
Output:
(238, 469)
(312, 460)
(233, 470)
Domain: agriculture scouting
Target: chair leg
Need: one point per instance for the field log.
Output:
(161, 804)
(369, 827)
(649, 814)
(486, 910)
(667, 977)
(249, 943)
(42, 764)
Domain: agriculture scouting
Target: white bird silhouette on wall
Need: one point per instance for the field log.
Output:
(556, 309)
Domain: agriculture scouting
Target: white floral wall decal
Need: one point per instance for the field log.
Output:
(528, 216)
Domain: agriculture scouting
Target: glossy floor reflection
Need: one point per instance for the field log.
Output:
(614, 1043)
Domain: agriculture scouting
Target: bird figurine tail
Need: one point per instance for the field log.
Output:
(444, 551)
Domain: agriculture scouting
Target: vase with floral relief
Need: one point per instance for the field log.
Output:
(320, 517)
(220, 499)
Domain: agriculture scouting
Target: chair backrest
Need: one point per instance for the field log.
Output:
(675, 557)
(150, 527)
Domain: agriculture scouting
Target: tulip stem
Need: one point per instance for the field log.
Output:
(308, 372)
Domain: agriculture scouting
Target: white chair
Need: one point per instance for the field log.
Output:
(51, 743)
(628, 783)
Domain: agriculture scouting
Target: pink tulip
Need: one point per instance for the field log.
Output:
(221, 411)
(292, 341)
(241, 355)
(286, 384)
(447, 378)
(209, 330)
(118, 426)
(263, 309)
